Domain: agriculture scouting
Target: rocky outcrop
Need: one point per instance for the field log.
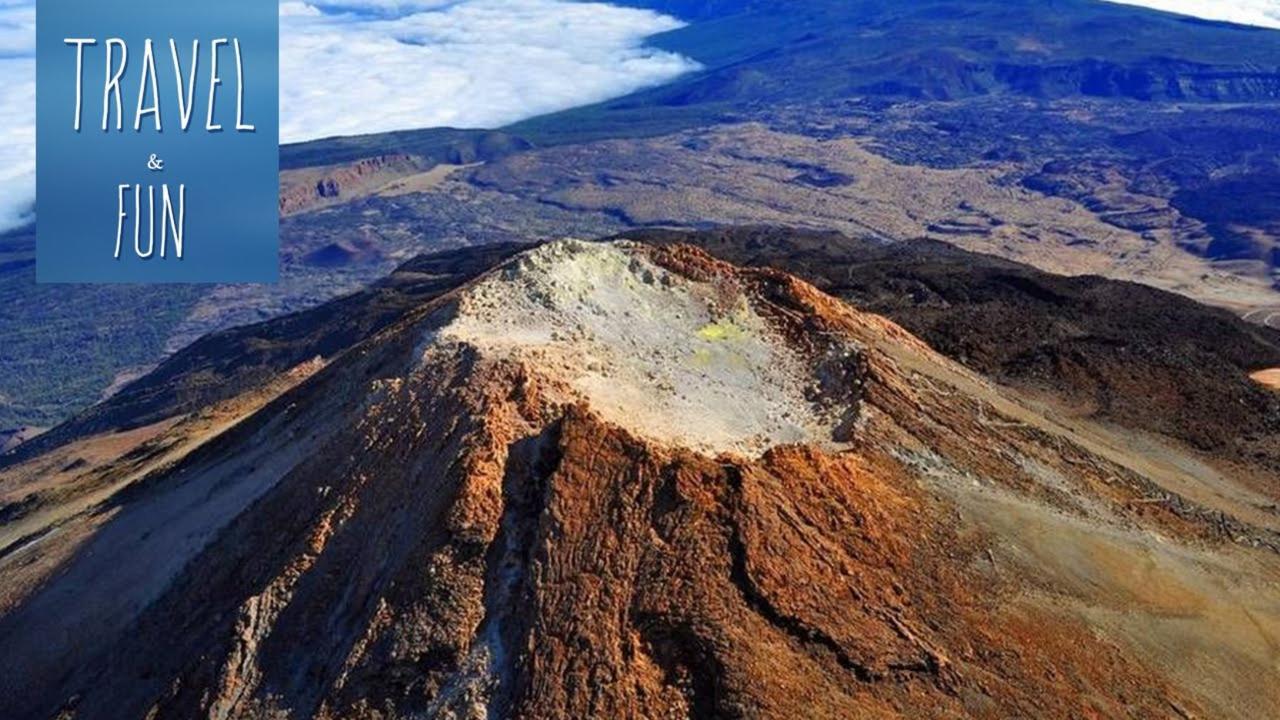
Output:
(313, 188)
(13, 437)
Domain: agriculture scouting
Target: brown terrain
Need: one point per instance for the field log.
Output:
(753, 173)
(622, 480)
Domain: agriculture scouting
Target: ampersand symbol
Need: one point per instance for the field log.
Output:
(154, 163)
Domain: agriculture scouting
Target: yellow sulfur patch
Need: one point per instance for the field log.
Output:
(722, 330)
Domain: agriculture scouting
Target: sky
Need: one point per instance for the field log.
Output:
(360, 66)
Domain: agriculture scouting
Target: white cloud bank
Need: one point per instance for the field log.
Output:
(17, 111)
(373, 65)
(1264, 13)
(359, 66)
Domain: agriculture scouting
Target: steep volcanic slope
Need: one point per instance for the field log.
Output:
(621, 481)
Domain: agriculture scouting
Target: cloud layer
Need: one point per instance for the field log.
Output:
(1264, 13)
(373, 65)
(17, 111)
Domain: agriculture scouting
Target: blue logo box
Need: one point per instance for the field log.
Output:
(182, 185)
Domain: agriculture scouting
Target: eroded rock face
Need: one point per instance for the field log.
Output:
(312, 188)
(512, 504)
